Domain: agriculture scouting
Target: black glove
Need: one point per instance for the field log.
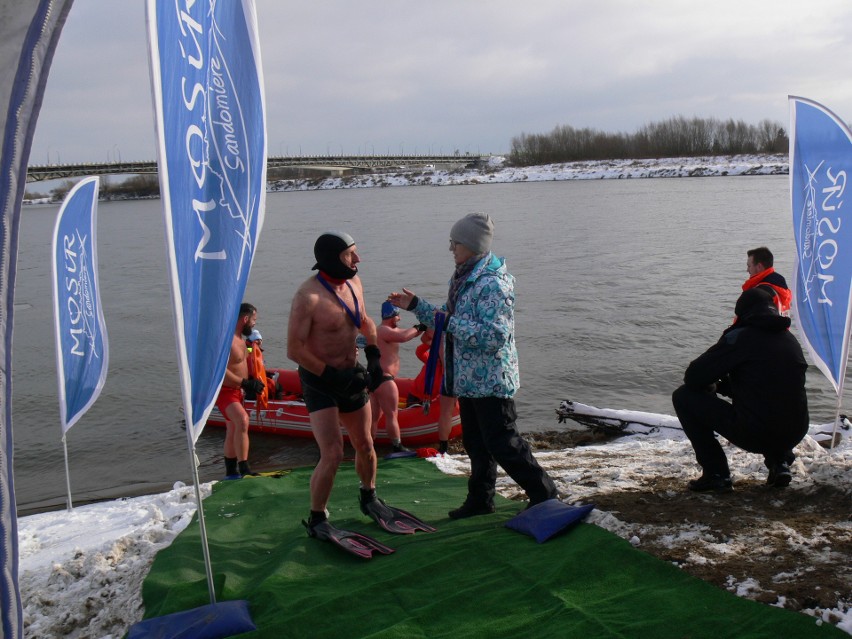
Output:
(251, 385)
(723, 387)
(375, 374)
(421, 327)
(345, 382)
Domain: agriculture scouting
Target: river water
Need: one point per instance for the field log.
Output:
(620, 283)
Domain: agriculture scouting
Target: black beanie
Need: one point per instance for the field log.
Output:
(327, 250)
(756, 301)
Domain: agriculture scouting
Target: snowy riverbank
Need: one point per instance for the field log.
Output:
(81, 573)
(497, 172)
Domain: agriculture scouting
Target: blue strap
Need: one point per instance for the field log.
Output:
(432, 360)
(356, 316)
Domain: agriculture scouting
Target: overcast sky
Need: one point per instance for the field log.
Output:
(391, 76)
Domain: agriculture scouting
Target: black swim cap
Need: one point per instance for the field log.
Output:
(327, 250)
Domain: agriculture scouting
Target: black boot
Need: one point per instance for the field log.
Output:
(245, 471)
(399, 448)
(713, 482)
(779, 475)
(366, 495)
(471, 509)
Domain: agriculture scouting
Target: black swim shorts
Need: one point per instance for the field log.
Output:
(318, 396)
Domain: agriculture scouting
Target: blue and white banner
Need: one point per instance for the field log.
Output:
(29, 32)
(820, 165)
(82, 348)
(211, 124)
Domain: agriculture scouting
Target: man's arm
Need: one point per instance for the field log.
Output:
(715, 363)
(400, 335)
(375, 375)
(298, 330)
(374, 356)
(368, 326)
(232, 380)
(369, 330)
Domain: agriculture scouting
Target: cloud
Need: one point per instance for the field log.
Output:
(390, 75)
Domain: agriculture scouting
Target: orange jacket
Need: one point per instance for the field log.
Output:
(417, 388)
(257, 370)
(777, 283)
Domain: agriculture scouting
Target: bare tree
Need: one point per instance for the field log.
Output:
(675, 137)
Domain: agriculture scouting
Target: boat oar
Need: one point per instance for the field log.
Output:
(432, 360)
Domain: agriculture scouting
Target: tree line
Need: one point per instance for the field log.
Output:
(675, 137)
(134, 187)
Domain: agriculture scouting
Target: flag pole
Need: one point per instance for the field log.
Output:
(67, 472)
(840, 387)
(841, 383)
(836, 423)
(193, 460)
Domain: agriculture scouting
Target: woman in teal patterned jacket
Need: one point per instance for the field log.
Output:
(482, 366)
(485, 362)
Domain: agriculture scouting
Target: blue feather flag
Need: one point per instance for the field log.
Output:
(210, 113)
(29, 33)
(820, 165)
(82, 347)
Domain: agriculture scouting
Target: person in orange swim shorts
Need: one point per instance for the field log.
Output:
(230, 400)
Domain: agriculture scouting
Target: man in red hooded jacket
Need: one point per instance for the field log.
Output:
(761, 273)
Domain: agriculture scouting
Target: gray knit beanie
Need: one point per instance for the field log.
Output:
(474, 231)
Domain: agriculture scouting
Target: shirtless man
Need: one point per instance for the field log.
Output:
(326, 315)
(385, 398)
(230, 400)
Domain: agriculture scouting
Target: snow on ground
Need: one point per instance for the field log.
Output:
(496, 172)
(81, 572)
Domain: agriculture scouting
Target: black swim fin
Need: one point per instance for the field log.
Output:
(352, 542)
(393, 519)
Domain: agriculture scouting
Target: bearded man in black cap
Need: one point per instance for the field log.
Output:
(237, 383)
(326, 316)
(759, 364)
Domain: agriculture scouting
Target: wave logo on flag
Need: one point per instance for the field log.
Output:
(208, 91)
(82, 353)
(820, 165)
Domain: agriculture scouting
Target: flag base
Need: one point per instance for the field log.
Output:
(213, 621)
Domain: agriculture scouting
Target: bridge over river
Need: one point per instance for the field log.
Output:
(330, 163)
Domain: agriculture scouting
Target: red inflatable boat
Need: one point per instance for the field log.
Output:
(289, 416)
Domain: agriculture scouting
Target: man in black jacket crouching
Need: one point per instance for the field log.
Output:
(759, 364)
